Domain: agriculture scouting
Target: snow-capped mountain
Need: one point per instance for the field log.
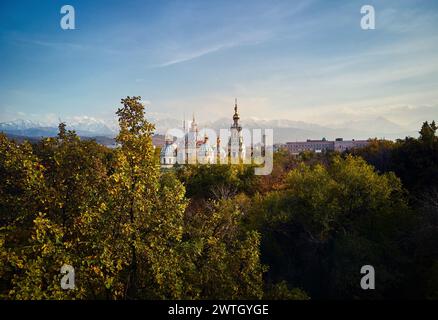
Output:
(90, 126)
(28, 128)
(21, 125)
(284, 130)
(289, 130)
(84, 126)
(163, 124)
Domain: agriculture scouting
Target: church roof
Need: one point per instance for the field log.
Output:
(168, 150)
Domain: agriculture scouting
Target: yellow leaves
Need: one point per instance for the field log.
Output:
(103, 206)
(212, 241)
(109, 283)
(45, 249)
(97, 270)
(20, 263)
(179, 233)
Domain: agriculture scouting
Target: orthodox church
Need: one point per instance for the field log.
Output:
(198, 149)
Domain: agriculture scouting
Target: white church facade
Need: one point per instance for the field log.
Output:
(197, 148)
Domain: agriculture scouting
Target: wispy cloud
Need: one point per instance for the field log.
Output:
(253, 25)
(300, 60)
(48, 43)
(197, 54)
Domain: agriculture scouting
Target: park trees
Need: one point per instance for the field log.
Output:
(143, 217)
(328, 221)
(21, 198)
(120, 223)
(70, 182)
(222, 259)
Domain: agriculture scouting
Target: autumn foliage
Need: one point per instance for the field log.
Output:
(133, 231)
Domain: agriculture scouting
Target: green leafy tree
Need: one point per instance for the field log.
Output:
(415, 161)
(216, 182)
(20, 201)
(327, 222)
(121, 223)
(71, 182)
(221, 260)
(142, 221)
(427, 132)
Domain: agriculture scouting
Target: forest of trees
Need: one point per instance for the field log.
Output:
(133, 231)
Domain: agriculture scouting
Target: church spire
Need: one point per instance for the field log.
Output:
(236, 114)
(194, 126)
(184, 122)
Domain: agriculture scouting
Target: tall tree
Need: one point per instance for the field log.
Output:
(143, 219)
(221, 259)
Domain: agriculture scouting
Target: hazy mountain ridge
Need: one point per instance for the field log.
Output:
(289, 130)
(284, 130)
(86, 127)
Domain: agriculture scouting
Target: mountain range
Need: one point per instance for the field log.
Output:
(284, 130)
(86, 127)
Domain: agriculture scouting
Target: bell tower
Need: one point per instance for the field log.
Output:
(236, 146)
(236, 118)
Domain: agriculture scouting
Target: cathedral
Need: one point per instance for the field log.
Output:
(199, 149)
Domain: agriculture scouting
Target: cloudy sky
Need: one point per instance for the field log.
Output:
(292, 59)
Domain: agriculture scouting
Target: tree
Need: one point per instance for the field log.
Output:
(378, 153)
(217, 181)
(221, 259)
(71, 182)
(427, 132)
(424, 270)
(142, 220)
(21, 197)
(415, 161)
(327, 222)
(118, 221)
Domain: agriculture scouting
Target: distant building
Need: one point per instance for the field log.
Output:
(323, 145)
(198, 149)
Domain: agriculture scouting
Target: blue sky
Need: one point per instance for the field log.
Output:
(298, 60)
